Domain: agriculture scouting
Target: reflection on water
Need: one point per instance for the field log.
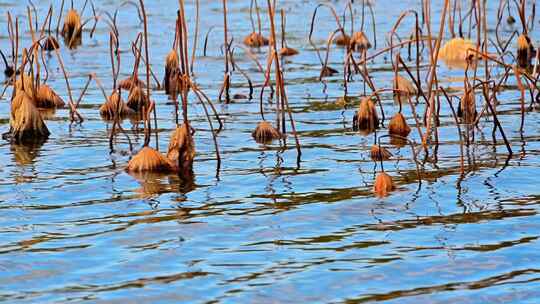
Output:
(154, 184)
(76, 227)
(24, 155)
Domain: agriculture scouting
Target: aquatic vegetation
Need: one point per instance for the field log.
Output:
(379, 153)
(467, 107)
(416, 83)
(265, 132)
(181, 151)
(72, 29)
(26, 124)
(149, 160)
(457, 52)
(255, 39)
(171, 64)
(342, 40)
(8, 69)
(525, 51)
(359, 42)
(403, 89)
(384, 184)
(217, 153)
(137, 99)
(366, 118)
(398, 126)
(114, 105)
(51, 44)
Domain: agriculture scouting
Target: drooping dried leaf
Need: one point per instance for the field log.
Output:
(265, 132)
(181, 152)
(110, 107)
(255, 40)
(398, 126)
(149, 160)
(359, 42)
(327, 72)
(467, 107)
(47, 98)
(366, 118)
(383, 185)
(525, 51)
(404, 88)
(379, 153)
(129, 82)
(137, 99)
(342, 40)
(456, 53)
(51, 44)
(171, 63)
(72, 29)
(287, 51)
(26, 123)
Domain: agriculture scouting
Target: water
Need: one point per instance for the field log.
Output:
(76, 228)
